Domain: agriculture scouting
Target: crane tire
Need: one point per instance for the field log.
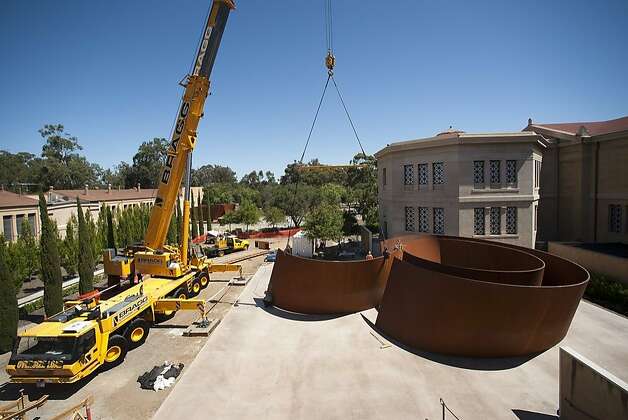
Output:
(195, 287)
(180, 293)
(203, 278)
(117, 348)
(136, 332)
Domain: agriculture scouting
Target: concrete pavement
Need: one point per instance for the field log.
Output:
(265, 363)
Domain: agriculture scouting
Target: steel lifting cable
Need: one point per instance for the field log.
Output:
(330, 62)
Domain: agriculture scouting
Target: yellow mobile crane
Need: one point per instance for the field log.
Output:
(91, 332)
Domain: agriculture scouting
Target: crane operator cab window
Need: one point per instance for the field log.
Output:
(61, 349)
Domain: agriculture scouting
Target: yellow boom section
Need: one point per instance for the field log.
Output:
(183, 141)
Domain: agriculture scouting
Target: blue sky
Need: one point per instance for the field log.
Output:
(109, 70)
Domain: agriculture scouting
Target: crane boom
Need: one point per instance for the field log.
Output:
(184, 134)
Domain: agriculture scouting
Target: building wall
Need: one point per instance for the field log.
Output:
(568, 195)
(459, 195)
(13, 217)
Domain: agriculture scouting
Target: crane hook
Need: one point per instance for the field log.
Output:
(330, 62)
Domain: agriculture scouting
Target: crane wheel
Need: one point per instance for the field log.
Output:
(136, 332)
(116, 350)
(180, 293)
(203, 278)
(221, 253)
(164, 316)
(195, 287)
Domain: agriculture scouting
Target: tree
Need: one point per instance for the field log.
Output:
(86, 263)
(296, 201)
(209, 212)
(29, 249)
(8, 301)
(212, 174)
(147, 164)
(171, 236)
(201, 219)
(248, 214)
(111, 241)
(274, 216)
(324, 222)
(193, 217)
(101, 229)
(61, 165)
(229, 218)
(17, 262)
(69, 248)
(93, 234)
(50, 263)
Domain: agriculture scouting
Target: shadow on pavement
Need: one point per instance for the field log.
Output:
(294, 316)
(490, 364)
(532, 415)
(11, 392)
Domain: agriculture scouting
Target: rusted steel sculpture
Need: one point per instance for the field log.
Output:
(449, 309)
(327, 287)
(451, 295)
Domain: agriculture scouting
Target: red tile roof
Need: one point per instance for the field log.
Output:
(113, 195)
(595, 128)
(9, 199)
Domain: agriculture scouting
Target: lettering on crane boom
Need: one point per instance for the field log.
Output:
(203, 49)
(131, 309)
(174, 144)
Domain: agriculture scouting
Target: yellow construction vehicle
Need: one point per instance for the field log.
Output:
(91, 333)
(217, 245)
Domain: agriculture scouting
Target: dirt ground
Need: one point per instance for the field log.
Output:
(116, 392)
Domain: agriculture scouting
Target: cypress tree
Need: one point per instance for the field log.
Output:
(111, 241)
(50, 262)
(201, 219)
(209, 212)
(171, 238)
(193, 217)
(8, 301)
(86, 263)
(178, 215)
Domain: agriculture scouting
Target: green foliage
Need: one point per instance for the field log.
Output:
(69, 248)
(93, 234)
(324, 222)
(23, 255)
(219, 193)
(86, 260)
(50, 261)
(230, 218)
(349, 224)
(8, 301)
(147, 164)
(131, 224)
(201, 219)
(100, 238)
(248, 214)
(171, 237)
(295, 201)
(608, 292)
(274, 215)
(212, 174)
(193, 218)
(209, 212)
(111, 241)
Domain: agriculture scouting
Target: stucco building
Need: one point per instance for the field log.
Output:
(14, 209)
(584, 181)
(456, 183)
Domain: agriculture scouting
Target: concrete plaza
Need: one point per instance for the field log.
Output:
(267, 363)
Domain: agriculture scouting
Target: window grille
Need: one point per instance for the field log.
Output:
(410, 219)
(511, 220)
(494, 168)
(408, 175)
(614, 218)
(478, 221)
(439, 220)
(495, 221)
(423, 219)
(422, 173)
(478, 172)
(438, 173)
(511, 172)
